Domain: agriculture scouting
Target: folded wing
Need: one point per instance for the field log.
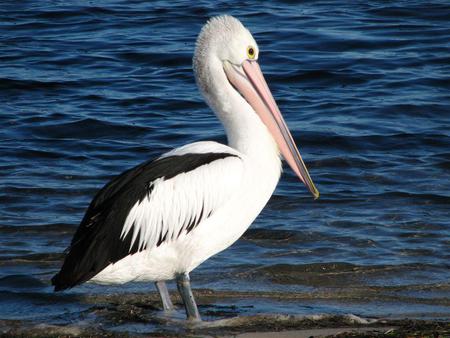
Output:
(148, 206)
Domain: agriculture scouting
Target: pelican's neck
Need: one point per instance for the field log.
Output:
(247, 133)
(245, 130)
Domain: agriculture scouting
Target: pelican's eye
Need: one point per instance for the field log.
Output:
(250, 52)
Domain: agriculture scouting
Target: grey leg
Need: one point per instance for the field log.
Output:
(184, 288)
(164, 294)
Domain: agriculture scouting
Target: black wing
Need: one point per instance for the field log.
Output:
(97, 242)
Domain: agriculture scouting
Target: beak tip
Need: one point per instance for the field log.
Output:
(315, 193)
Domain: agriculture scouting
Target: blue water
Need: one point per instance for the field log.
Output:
(93, 88)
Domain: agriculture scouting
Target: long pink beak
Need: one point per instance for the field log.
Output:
(249, 81)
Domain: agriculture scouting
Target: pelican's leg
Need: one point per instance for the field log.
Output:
(164, 294)
(184, 288)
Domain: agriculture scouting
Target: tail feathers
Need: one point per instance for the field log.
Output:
(70, 276)
(63, 281)
(57, 283)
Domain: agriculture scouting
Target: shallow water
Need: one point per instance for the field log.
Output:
(91, 90)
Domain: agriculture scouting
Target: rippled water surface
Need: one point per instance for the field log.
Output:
(93, 88)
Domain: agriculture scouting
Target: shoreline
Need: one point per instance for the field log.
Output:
(140, 315)
(264, 326)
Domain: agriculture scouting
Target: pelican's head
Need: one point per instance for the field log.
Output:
(227, 72)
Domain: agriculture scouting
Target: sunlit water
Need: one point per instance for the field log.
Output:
(91, 89)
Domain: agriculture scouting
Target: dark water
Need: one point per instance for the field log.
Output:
(92, 88)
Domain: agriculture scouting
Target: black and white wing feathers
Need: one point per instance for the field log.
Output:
(147, 206)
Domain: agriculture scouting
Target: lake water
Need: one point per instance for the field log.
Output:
(90, 89)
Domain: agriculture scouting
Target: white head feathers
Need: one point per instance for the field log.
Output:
(223, 38)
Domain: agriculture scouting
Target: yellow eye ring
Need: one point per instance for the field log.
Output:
(251, 52)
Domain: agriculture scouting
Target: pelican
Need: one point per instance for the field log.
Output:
(161, 219)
